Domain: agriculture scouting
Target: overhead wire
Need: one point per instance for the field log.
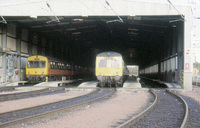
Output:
(120, 20)
(57, 20)
(183, 18)
(3, 20)
(100, 19)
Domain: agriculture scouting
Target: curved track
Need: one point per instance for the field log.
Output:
(168, 110)
(28, 114)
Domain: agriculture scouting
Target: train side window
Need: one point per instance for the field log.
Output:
(103, 63)
(42, 64)
(114, 63)
(54, 65)
(58, 65)
(63, 66)
(51, 65)
(66, 66)
(74, 68)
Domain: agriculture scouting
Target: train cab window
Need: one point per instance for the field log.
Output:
(36, 64)
(114, 63)
(29, 64)
(42, 64)
(103, 63)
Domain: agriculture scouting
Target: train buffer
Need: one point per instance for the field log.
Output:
(90, 84)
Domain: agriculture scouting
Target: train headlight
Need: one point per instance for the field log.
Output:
(117, 78)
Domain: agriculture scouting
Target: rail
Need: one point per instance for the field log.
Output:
(131, 121)
(46, 114)
(128, 123)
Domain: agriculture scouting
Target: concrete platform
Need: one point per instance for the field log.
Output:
(31, 88)
(131, 83)
(173, 86)
(90, 84)
(55, 83)
(132, 89)
(84, 89)
(169, 85)
(13, 83)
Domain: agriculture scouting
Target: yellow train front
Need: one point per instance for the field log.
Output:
(37, 68)
(110, 69)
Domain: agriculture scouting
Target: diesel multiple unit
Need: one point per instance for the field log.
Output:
(110, 69)
(40, 68)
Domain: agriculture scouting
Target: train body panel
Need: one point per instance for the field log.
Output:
(56, 70)
(110, 68)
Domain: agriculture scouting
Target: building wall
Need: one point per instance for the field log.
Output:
(12, 58)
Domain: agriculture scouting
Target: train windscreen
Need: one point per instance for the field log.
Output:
(115, 64)
(103, 63)
(36, 64)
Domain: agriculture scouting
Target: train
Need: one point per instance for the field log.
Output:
(110, 69)
(42, 68)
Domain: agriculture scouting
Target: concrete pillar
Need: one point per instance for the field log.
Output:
(188, 65)
(30, 40)
(4, 46)
(180, 53)
(19, 52)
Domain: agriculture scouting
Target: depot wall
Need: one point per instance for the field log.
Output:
(17, 44)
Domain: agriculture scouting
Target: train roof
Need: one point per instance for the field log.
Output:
(51, 58)
(109, 54)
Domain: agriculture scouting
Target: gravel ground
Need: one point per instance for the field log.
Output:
(167, 113)
(7, 106)
(193, 100)
(108, 113)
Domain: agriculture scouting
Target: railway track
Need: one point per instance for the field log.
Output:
(19, 117)
(168, 110)
(5, 89)
(45, 91)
